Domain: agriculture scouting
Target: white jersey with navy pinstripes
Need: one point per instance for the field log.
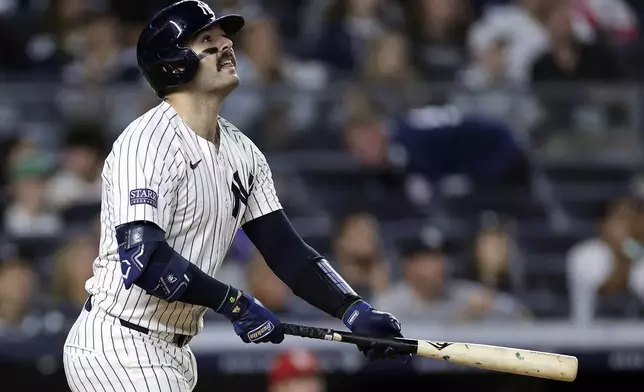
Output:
(159, 170)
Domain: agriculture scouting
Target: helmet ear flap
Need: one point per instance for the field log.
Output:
(178, 65)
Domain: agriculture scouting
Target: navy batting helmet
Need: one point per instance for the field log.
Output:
(161, 53)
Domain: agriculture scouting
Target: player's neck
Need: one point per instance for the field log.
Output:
(199, 112)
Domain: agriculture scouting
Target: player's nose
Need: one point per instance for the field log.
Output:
(224, 43)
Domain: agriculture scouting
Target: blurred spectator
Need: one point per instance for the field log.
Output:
(28, 214)
(79, 179)
(428, 292)
(263, 284)
(359, 254)
(296, 371)
(380, 188)
(485, 87)
(437, 30)
(521, 24)
(72, 268)
(569, 59)
(347, 29)
(495, 261)
(17, 288)
(263, 65)
(366, 140)
(97, 53)
(599, 267)
(389, 74)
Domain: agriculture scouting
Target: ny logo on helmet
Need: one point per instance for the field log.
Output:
(204, 7)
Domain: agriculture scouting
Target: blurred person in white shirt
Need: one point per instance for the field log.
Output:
(523, 23)
(601, 266)
(615, 19)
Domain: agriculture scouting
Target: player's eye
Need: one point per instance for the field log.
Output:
(205, 39)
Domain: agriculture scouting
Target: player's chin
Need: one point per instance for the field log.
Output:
(230, 80)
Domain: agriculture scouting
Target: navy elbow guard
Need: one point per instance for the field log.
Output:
(148, 262)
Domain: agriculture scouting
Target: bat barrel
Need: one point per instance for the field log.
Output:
(503, 359)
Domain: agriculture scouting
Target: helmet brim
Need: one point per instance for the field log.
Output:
(230, 24)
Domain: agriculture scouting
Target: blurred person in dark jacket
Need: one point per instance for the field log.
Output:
(569, 59)
(429, 293)
(17, 288)
(438, 30)
(72, 267)
(296, 371)
(347, 28)
(78, 181)
(262, 283)
(405, 160)
(359, 254)
(28, 213)
(439, 141)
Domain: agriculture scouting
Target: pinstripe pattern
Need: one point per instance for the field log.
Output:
(125, 360)
(195, 205)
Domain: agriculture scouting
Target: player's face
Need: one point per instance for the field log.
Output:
(217, 70)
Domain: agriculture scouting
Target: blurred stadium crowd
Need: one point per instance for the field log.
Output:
(460, 161)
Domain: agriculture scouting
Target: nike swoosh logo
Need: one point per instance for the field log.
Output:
(193, 166)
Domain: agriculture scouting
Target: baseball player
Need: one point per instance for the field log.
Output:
(177, 185)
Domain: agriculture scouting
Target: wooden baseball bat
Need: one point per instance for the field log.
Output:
(497, 358)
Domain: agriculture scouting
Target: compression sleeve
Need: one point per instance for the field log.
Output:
(299, 266)
(205, 290)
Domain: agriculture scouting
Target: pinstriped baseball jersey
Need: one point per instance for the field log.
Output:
(160, 171)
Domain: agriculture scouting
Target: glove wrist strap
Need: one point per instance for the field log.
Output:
(353, 312)
(233, 305)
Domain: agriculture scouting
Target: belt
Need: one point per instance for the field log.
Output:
(177, 339)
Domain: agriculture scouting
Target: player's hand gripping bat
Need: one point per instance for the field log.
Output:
(497, 358)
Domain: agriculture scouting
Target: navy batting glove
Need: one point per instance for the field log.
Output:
(362, 319)
(251, 320)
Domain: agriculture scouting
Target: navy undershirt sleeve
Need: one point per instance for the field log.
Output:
(298, 265)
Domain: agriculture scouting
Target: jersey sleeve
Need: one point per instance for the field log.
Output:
(263, 197)
(144, 180)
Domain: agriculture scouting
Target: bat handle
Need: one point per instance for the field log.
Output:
(307, 332)
(403, 346)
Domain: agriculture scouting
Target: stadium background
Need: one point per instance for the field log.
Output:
(489, 148)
